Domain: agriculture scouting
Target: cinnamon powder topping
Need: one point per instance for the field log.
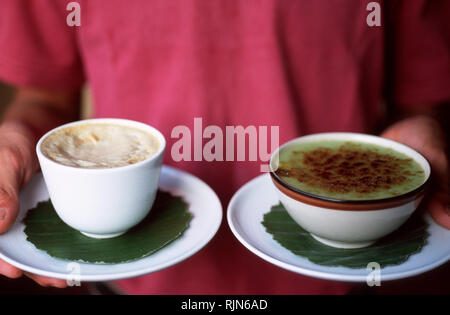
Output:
(348, 168)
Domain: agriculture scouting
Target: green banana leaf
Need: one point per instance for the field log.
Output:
(167, 221)
(393, 249)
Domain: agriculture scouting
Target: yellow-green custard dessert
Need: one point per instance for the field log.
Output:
(348, 170)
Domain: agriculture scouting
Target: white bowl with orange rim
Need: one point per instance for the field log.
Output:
(342, 223)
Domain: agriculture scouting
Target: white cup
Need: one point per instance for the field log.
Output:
(103, 202)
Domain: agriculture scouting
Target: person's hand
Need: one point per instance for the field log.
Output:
(424, 134)
(18, 163)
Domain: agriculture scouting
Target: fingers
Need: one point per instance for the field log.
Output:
(440, 212)
(8, 212)
(9, 201)
(9, 270)
(9, 207)
(13, 166)
(47, 282)
(13, 273)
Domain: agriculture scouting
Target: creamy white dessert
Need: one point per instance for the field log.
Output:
(99, 145)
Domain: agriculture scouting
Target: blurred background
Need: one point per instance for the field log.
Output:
(7, 93)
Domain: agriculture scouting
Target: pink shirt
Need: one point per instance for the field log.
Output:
(305, 66)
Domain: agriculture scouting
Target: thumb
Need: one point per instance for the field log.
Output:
(9, 202)
(17, 165)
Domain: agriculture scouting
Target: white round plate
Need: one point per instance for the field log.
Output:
(253, 200)
(204, 205)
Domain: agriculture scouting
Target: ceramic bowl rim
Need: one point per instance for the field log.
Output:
(120, 121)
(337, 203)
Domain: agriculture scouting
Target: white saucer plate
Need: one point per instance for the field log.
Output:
(204, 205)
(245, 214)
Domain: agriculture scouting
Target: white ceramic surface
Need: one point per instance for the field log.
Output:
(249, 204)
(103, 202)
(204, 206)
(345, 228)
